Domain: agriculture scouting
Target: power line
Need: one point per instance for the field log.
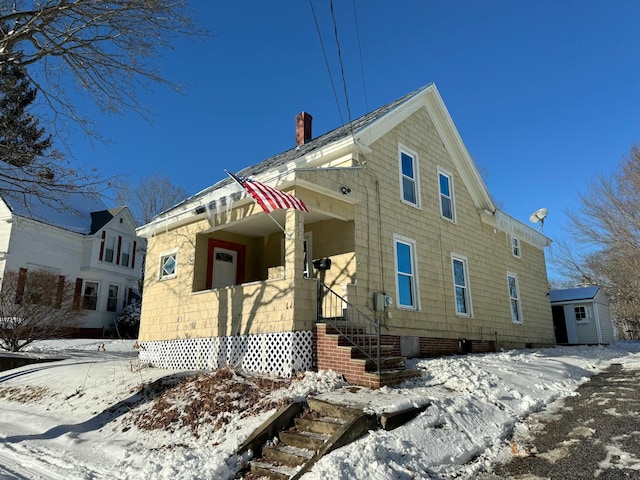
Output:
(326, 61)
(364, 83)
(344, 80)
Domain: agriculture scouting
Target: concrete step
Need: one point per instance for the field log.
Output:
(286, 455)
(274, 472)
(310, 441)
(326, 409)
(323, 425)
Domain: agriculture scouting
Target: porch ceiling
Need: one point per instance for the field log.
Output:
(261, 225)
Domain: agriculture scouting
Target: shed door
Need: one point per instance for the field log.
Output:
(559, 324)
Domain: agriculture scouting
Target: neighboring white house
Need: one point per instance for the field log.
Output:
(93, 246)
(581, 316)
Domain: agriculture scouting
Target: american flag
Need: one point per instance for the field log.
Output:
(267, 197)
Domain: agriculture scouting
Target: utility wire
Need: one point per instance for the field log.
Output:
(326, 61)
(344, 80)
(364, 83)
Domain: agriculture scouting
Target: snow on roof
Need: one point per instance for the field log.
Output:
(75, 216)
(570, 294)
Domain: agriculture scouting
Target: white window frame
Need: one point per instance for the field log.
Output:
(587, 313)
(84, 289)
(109, 297)
(110, 239)
(125, 249)
(413, 275)
(517, 299)
(450, 197)
(163, 256)
(415, 180)
(516, 248)
(466, 287)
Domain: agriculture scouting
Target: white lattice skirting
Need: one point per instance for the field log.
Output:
(281, 354)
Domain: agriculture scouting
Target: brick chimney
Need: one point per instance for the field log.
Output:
(303, 128)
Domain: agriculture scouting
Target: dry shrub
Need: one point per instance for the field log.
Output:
(210, 399)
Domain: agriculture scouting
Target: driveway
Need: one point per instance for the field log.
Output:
(594, 434)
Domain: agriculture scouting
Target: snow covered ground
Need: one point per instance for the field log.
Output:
(73, 419)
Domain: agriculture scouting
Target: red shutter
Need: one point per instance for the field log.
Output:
(104, 234)
(119, 249)
(60, 291)
(133, 255)
(22, 283)
(77, 295)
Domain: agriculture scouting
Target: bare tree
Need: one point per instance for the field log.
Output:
(35, 305)
(152, 196)
(606, 235)
(106, 47)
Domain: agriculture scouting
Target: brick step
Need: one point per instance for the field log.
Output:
(372, 351)
(394, 377)
(360, 340)
(386, 363)
(345, 330)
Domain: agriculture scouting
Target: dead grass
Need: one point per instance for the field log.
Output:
(210, 399)
(24, 394)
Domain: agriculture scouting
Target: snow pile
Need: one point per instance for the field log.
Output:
(97, 414)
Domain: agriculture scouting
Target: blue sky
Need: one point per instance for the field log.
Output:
(545, 94)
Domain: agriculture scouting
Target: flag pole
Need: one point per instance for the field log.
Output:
(289, 235)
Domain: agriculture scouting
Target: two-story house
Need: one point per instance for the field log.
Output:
(87, 243)
(402, 253)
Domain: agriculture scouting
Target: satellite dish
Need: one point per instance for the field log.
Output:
(538, 217)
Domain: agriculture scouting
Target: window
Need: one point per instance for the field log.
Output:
(90, 296)
(168, 265)
(112, 299)
(125, 255)
(583, 313)
(461, 286)
(406, 278)
(445, 182)
(514, 298)
(409, 177)
(109, 249)
(515, 247)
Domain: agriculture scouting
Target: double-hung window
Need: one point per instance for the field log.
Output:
(409, 182)
(447, 205)
(461, 285)
(90, 296)
(112, 299)
(406, 272)
(109, 248)
(125, 254)
(515, 247)
(514, 298)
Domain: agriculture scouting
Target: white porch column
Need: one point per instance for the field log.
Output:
(293, 245)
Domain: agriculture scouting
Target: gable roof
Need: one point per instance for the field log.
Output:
(75, 217)
(101, 218)
(573, 294)
(317, 143)
(362, 132)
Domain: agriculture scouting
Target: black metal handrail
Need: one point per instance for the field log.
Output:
(360, 330)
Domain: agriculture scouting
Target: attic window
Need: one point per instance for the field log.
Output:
(409, 181)
(447, 206)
